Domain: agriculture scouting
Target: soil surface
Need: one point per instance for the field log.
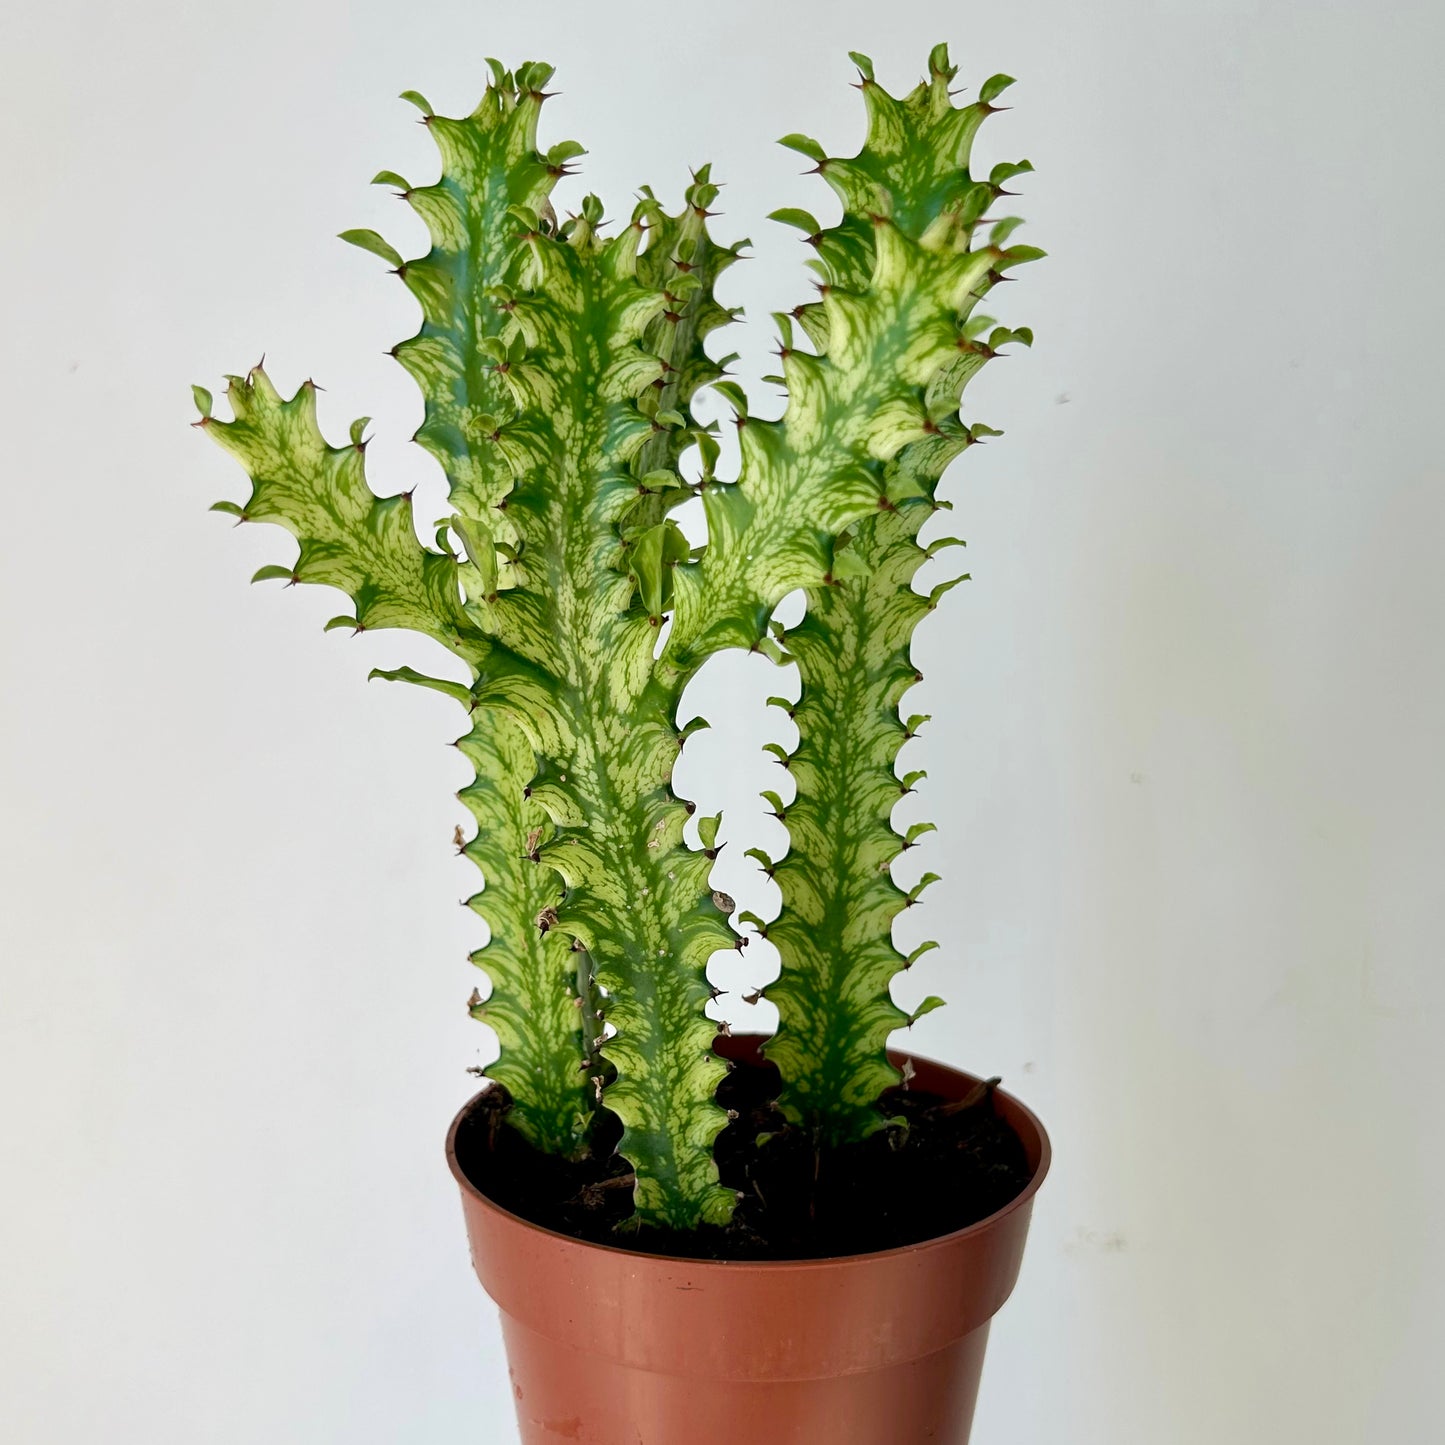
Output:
(953, 1164)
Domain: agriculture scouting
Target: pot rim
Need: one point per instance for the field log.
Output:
(937, 1242)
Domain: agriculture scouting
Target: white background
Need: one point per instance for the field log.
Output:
(1186, 763)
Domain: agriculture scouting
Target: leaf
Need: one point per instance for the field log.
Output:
(948, 586)
(849, 564)
(749, 917)
(804, 145)
(1003, 228)
(761, 859)
(734, 395)
(1018, 256)
(651, 560)
(865, 66)
(696, 725)
(460, 691)
(779, 807)
(924, 882)
(707, 830)
(805, 221)
(370, 241)
(202, 399)
(342, 621)
(274, 574)
(419, 101)
(976, 200)
(230, 508)
(357, 428)
(481, 550)
(1007, 170)
(926, 1007)
(918, 953)
(390, 178)
(916, 831)
(994, 87)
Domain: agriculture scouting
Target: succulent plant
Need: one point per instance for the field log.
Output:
(559, 371)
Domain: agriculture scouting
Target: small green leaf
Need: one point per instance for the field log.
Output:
(769, 648)
(202, 399)
(696, 725)
(805, 221)
(787, 704)
(747, 916)
(926, 1007)
(915, 722)
(357, 428)
(911, 780)
(976, 200)
(779, 807)
(342, 621)
(761, 859)
(481, 550)
(848, 564)
(456, 690)
(370, 241)
(918, 953)
(419, 101)
(1003, 228)
(229, 508)
(994, 87)
(948, 586)
(916, 831)
(938, 62)
(274, 574)
(651, 560)
(779, 752)
(390, 178)
(922, 883)
(865, 66)
(1019, 256)
(734, 395)
(804, 145)
(707, 830)
(1007, 170)
(941, 543)
(564, 151)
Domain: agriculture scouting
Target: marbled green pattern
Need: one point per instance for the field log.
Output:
(558, 370)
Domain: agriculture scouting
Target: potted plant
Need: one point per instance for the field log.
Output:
(692, 1238)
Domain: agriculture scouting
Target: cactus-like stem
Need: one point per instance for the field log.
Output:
(589, 353)
(902, 274)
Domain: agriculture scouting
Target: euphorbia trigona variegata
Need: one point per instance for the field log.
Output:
(559, 371)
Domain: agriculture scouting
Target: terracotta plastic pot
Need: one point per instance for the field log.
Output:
(612, 1347)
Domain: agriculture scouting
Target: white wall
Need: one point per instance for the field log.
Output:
(1186, 767)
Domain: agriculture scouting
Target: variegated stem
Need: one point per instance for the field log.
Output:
(532, 1007)
(560, 434)
(902, 276)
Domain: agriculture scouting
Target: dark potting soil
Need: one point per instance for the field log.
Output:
(954, 1164)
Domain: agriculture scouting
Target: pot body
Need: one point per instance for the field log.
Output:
(613, 1347)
